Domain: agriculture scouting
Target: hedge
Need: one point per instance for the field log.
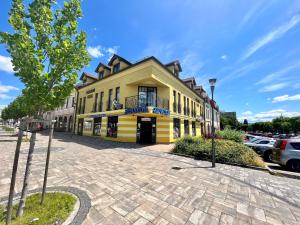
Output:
(226, 151)
(232, 135)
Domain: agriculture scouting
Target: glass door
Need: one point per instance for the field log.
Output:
(147, 96)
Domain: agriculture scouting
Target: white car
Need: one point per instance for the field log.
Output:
(261, 142)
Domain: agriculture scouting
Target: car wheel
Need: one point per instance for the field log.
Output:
(267, 156)
(294, 165)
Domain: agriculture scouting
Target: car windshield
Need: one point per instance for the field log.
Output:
(254, 140)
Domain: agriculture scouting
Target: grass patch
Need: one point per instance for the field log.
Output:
(226, 151)
(57, 207)
(8, 129)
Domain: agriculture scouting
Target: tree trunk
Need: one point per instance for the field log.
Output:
(13, 178)
(27, 174)
(47, 162)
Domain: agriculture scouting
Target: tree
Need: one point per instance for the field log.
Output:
(47, 50)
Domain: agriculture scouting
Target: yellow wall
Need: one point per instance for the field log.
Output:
(151, 74)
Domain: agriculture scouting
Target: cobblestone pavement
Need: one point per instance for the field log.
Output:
(132, 184)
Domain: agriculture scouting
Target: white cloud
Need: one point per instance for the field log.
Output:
(111, 51)
(279, 75)
(271, 36)
(273, 87)
(284, 98)
(257, 8)
(163, 51)
(191, 64)
(4, 96)
(7, 88)
(95, 51)
(100, 51)
(268, 115)
(240, 71)
(6, 64)
(247, 113)
(224, 57)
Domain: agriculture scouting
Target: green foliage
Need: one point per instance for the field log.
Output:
(228, 122)
(278, 125)
(57, 207)
(232, 135)
(17, 109)
(47, 50)
(226, 151)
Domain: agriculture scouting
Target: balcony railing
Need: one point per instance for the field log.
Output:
(113, 105)
(134, 102)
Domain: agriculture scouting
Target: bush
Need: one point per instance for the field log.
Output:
(232, 135)
(226, 151)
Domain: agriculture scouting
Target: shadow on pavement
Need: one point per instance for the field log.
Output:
(93, 142)
(12, 140)
(97, 143)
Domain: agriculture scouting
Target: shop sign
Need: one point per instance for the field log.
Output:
(146, 119)
(136, 110)
(90, 91)
(161, 111)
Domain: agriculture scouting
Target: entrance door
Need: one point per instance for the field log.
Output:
(146, 130)
(80, 126)
(97, 126)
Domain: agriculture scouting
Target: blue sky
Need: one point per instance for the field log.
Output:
(252, 47)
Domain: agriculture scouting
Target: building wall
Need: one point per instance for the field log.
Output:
(64, 111)
(145, 74)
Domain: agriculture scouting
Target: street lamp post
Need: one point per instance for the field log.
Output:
(212, 83)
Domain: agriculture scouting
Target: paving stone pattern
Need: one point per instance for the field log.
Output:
(133, 184)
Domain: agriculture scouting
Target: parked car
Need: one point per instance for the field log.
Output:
(261, 142)
(249, 137)
(263, 147)
(286, 153)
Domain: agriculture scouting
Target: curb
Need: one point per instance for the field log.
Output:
(84, 199)
(277, 173)
(231, 164)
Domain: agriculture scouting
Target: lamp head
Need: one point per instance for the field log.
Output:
(212, 82)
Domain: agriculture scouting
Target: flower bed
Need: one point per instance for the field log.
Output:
(226, 151)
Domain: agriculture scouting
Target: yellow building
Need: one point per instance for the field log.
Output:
(143, 102)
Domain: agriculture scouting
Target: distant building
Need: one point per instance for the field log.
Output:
(229, 115)
(63, 115)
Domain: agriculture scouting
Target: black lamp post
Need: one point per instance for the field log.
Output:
(212, 83)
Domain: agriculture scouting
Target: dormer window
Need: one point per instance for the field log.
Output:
(116, 68)
(101, 75)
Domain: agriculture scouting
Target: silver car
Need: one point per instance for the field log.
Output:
(286, 153)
